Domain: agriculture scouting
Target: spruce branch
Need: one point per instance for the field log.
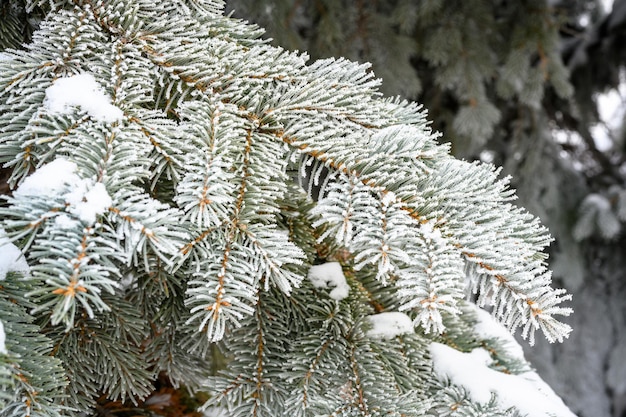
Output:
(174, 227)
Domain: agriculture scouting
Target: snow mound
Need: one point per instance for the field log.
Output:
(85, 199)
(389, 325)
(526, 391)
(330, 275)
(11, 257)
(81, 90)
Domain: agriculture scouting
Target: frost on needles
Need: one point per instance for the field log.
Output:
(154, 148)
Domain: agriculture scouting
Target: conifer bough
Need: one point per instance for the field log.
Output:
(153, 148)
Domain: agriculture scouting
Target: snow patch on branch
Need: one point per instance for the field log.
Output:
(526, 391)
(11, 257)
(85, 199)
(488, 327)
(389, 325)
(81, 90)
(88, 200)
(330, 275)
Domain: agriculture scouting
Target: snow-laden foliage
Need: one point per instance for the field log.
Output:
(153, 149)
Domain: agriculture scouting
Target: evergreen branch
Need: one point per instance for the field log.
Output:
(201, 239)
(234, 289)
(74, 276)
(102, 170)
(56, 139)
(361, 402)
(36, 379)
(312, 367)
(274, 254)
(23, 74)
(260, 353)
(341, 167)
(184, 250)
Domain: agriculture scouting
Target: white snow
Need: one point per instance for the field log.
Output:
(5, 57)
(488, 327)
(3, 348)
(49, 180)
(389, 325)
(85, 198)
(431, 233)
(526, 391)
(81, 90)
(64, 221)
(611, 109)
(11, 258)
(88, 200)
(599, 201)
(330, 275)
(388, 198)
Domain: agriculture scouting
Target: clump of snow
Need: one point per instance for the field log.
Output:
(49, 180)
(11, 258)
(87, 201)
(81, 90)
(85, 198)
(389, 325)
(3, 348)
(330, 275)
(5, 57)
(525, 391)
(488, 327)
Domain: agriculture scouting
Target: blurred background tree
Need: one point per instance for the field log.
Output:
(536, 86)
